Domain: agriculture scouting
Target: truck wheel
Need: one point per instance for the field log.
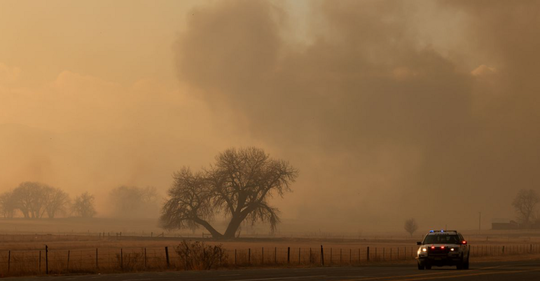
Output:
(466, 264)
(459, 266)
(420, 266)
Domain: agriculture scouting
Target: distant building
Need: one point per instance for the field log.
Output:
(504, 224)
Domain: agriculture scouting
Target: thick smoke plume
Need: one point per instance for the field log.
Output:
(392, 109)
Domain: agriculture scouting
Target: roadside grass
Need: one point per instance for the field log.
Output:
(24, 255)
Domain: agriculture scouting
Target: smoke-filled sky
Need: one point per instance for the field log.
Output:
(389, 109)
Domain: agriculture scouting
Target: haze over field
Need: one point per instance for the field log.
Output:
(389, 109)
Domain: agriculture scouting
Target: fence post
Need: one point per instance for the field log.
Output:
(97, 259)
(9, 261)
(46, 259)
(288, 254)
(144, 257)
(121, 259)
(350, 256)
(39, 263)
(331, 254)
(322, 256)
(234, 256)
(249, 256)
(340, 256)
(405, 252)
(67, 267)
(167, 256)
(262, 256)
(275, 255)
(367, 255)
(299, 251)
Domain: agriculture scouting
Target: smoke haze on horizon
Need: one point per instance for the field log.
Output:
(389, 109)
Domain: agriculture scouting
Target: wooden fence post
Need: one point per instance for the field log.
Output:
(67, 267)
(262, 256)
(322, 256)
(121, 259)
(367, 255)
(405, 252)
(275, 255)
(9, 261)
(39, 263)
(97, 259)
(288, 254)
(234, 256)
(167, 256)
(249, 256)
(299, 251)
(46, 259)
(144, 257)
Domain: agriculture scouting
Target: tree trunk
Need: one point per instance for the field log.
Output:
(233, 226)
(215, 234)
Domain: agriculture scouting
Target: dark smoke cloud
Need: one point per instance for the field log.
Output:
(382, 126)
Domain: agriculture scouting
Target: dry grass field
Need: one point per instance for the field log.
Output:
(141, 248)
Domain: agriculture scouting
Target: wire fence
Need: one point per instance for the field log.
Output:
(51, 261)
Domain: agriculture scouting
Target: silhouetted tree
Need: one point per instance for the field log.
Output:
(525, 203)
(136, 202)
(29, 197)
(7, 204)
(411, 226)
(56, 201)
(238, 186)
(83, 206)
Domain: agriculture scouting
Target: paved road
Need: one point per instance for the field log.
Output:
(522, 270)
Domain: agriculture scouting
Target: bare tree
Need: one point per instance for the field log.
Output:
(56, 201)
(135, 202)
(411, 226)
(525, 203)
(29, 198)
(7, 204)
(238, 186)
(83, 206)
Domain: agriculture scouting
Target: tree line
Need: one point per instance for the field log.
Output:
(36, 200)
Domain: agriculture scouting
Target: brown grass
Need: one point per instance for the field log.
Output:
(25, 254)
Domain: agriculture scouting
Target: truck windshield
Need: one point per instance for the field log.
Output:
(441, 239)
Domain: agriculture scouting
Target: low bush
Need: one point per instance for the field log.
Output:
(196, 255)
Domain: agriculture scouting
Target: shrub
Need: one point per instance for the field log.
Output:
(197, 255)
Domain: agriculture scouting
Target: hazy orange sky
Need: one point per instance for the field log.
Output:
(387, 108)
